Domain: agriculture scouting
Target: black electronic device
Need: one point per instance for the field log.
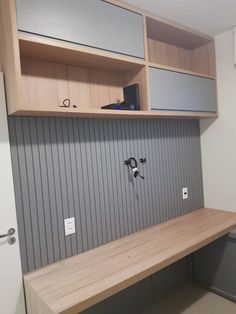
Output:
(131, 99)
(131, 96)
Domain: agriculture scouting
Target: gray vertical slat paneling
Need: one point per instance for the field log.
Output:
(86, 169)
(140, 151)
(18, 195)
(67, 140)
(51, 186)
(95, 180)
(88, 177)
(36, 131)
(162, 171)
(26, 211)
(122, 197)
(115, 173)
(110, 176)
(100, 186)
(124, 153)
(51, 190)
(32, 195)
(57, 187)
(107, 180)
(102, 181)
(116, 168)
(148, 187)
(75, 167)
(43, 168)
(80, 188)
(77, 238)
(60, 129)
(130, 183)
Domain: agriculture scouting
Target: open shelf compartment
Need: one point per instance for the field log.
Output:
(51, 73)
(176, 48)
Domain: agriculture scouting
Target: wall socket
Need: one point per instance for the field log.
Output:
(185, 193)
(69, 226)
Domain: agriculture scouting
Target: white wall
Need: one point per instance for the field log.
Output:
(218, 138)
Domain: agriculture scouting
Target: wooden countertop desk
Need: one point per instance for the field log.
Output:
(76, 283)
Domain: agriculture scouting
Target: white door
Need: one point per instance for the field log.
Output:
(11, 289)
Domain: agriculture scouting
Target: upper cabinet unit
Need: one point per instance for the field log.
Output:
(73, 57)
(93, 23)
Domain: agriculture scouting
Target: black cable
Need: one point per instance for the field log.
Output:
(133, 164)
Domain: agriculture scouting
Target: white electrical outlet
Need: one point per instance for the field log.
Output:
(69, 226)
(185, 193)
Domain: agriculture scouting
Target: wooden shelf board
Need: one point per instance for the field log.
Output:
(174, 69)
(106, 113)
(53, 50)
(77, 283)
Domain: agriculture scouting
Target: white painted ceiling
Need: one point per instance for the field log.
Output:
(211, 17)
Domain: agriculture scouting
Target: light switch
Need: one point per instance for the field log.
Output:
(69, 226)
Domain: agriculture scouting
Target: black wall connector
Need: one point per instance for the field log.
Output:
(133, 164)
(143, 160)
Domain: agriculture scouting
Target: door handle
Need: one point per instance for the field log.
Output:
(10, 232)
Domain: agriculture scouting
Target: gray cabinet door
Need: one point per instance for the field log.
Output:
(177, 91)
(93, 23)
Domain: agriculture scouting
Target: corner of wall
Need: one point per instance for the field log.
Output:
(218, 143)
